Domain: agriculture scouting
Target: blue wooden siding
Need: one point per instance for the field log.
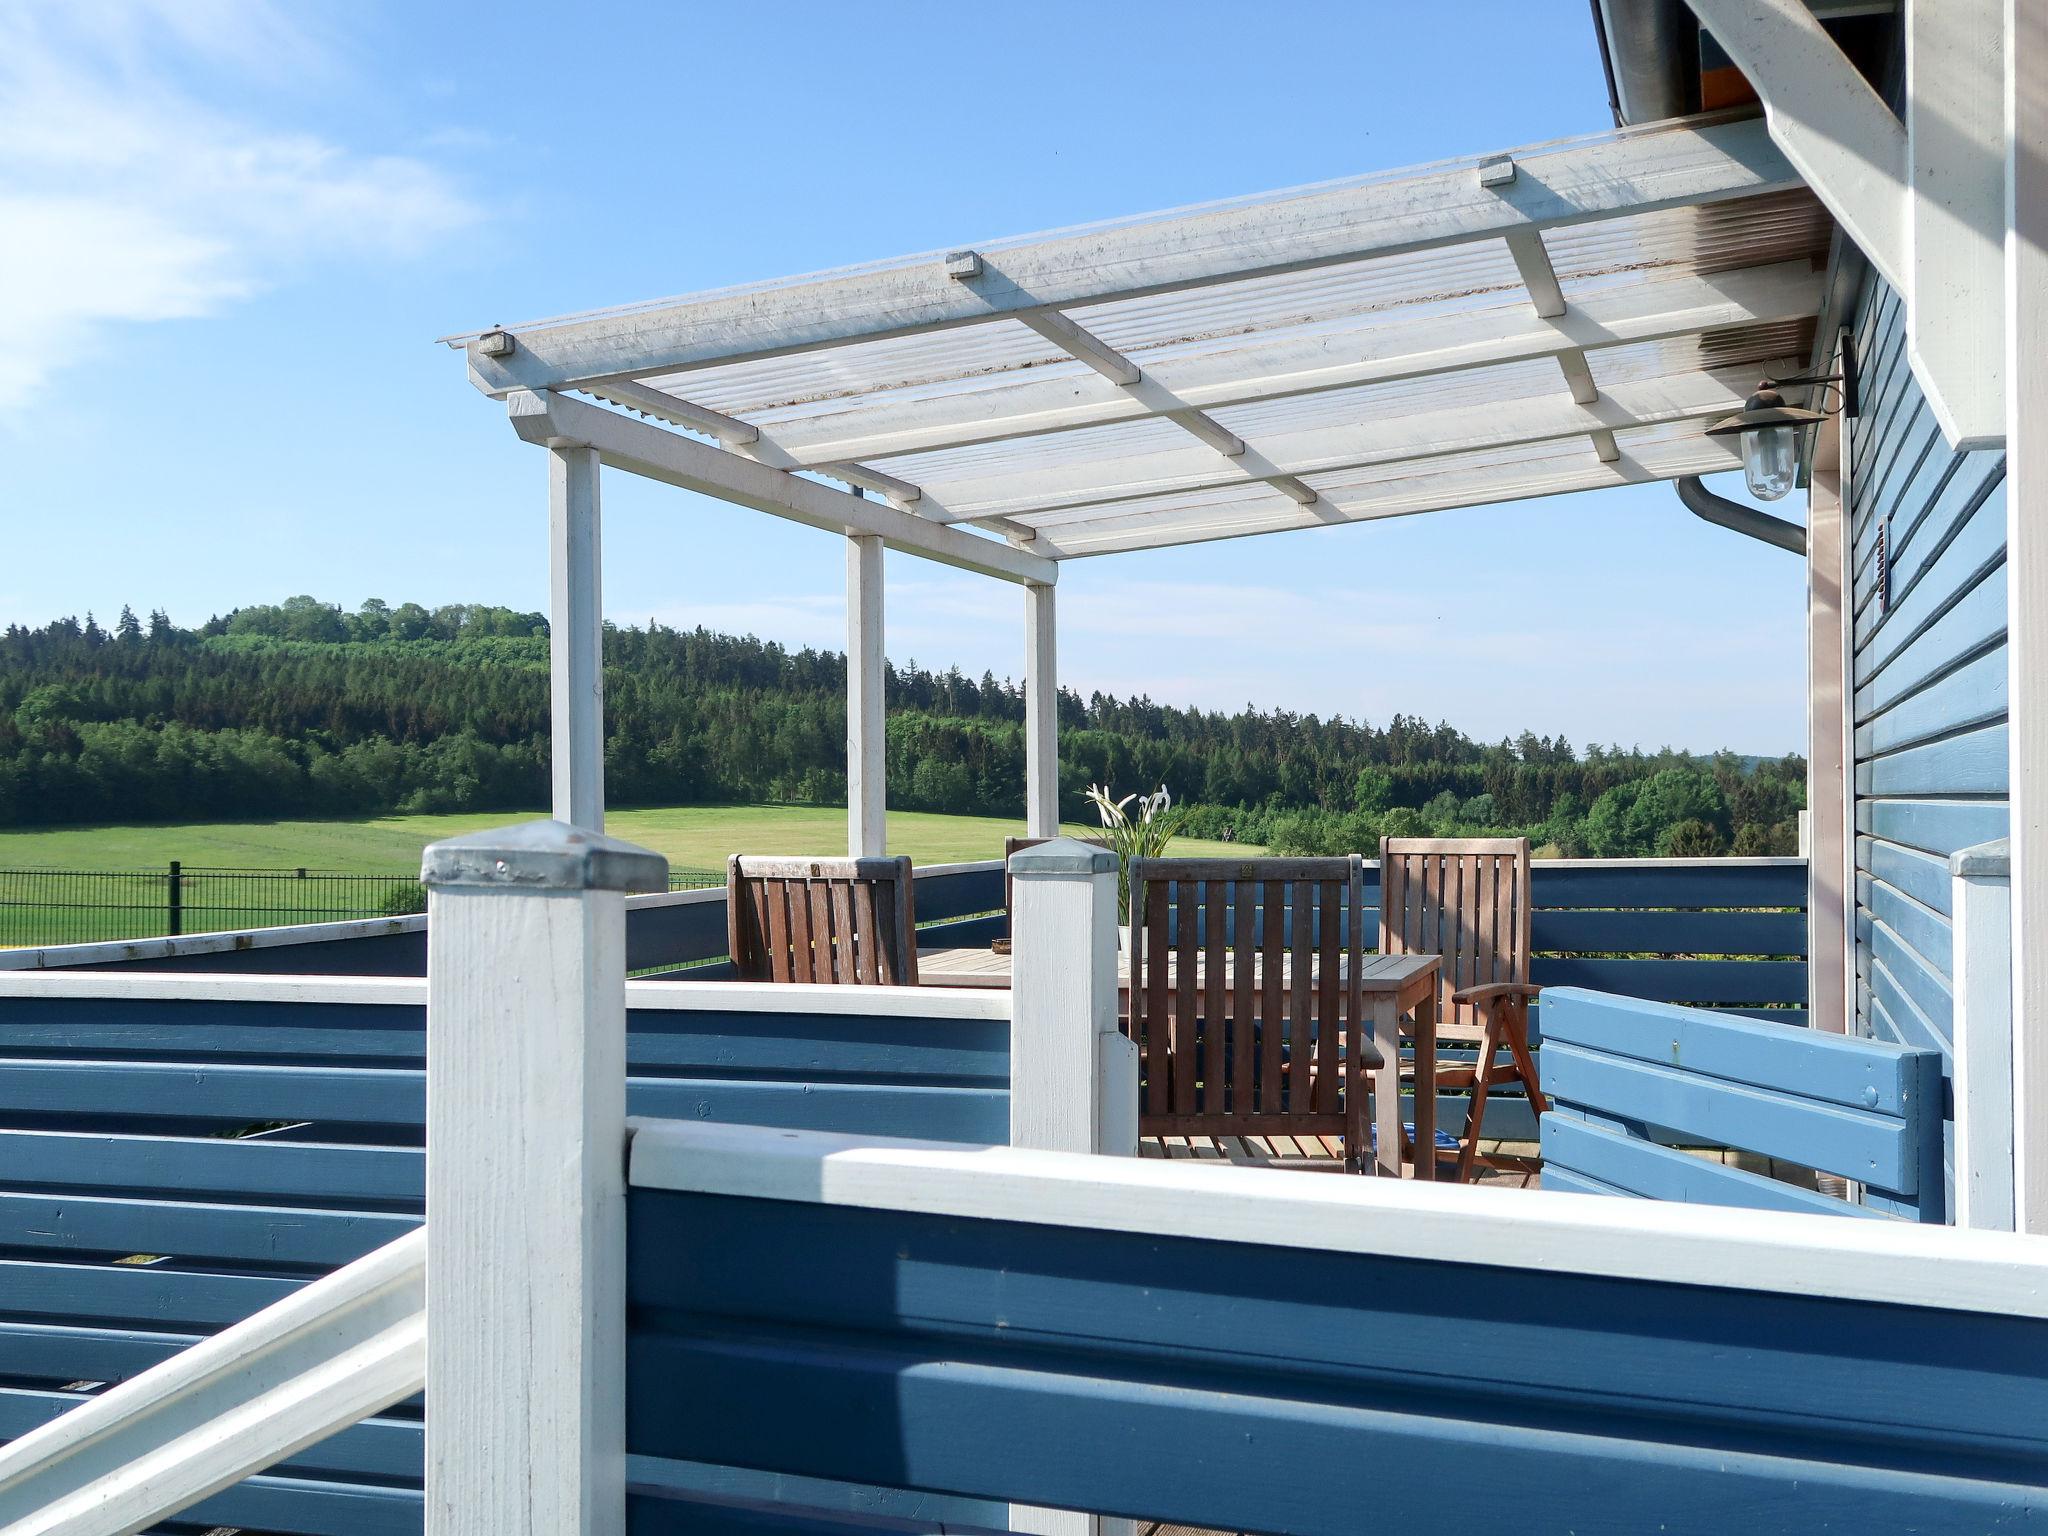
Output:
(1929, 681)
(115, 1143)
(1239, 1387)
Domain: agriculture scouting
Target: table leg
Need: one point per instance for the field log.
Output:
(1425, 1086)
(1386, 1100)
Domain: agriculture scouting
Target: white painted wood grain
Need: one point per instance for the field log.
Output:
(645, 449)
(867, 833)
(1955, 214)
(1827, 118)
(1993, 1272)
(1603, 177)
(2026, 568)
(526, 1291)
(1041, 712)
(576, 636)
(349, 1345)
(1981, 907)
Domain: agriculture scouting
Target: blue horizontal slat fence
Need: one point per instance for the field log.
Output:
(1626, 1076)
(1232, 1386)
(135, 1220)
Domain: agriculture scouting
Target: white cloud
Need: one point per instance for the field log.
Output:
(127, 195)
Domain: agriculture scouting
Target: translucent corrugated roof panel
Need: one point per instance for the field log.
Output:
(1428, 363)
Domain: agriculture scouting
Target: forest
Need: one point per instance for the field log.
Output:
(305, 709)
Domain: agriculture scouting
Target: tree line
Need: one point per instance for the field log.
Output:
(304, 709)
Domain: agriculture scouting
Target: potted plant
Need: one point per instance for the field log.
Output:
(1143, 836)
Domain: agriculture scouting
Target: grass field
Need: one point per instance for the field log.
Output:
(692, 837)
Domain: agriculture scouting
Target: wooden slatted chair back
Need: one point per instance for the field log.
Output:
(1466, 899)
(1245, 996)
(816, 921)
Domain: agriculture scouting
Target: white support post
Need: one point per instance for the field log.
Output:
(576, 635)
(526, 1137)
(1041, 712)
(1982, 886)
(1073, 1074)
(1827, 742)
(2026, 567)
(867, 797)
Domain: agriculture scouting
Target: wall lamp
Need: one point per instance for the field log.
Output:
(1771, 433)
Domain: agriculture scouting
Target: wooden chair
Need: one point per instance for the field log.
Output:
(849, 921)
(1467, 900)
(1014, 845)
(1245, 998)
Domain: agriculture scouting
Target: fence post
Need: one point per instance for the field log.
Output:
(175, 902)
(1073, 1075)
(526, 1112)
(1982, 899)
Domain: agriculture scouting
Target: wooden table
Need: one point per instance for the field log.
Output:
(1394, 986)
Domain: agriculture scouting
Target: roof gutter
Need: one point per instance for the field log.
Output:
(1723, 513)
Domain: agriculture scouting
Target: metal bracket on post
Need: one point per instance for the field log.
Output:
(1984, 1145)
(526, 1135)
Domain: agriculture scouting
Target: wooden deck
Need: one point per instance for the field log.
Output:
(1510, 1163)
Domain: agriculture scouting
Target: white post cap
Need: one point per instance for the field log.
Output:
(543, 856)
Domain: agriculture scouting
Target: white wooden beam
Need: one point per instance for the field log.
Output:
(1566, 184)
(648, 450)
(1199, 424)
(1532, 261)
(1534, 1231)
(2026, 567)
(1955, 134)
(526, 1138)
(1377, 440)
(1830, 875)
(576, 635)
(1826, 117)
(730, 431)
(1369, 351)
(867, 796)
(1041, 712)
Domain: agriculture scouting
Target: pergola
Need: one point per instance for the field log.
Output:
(1560, 318)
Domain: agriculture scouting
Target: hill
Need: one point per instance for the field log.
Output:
(304, 710)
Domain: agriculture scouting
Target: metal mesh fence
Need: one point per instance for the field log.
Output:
(80, 906)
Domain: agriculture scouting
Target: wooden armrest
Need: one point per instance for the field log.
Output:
(1495, 989)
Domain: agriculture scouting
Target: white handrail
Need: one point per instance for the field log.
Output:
(349, 1345)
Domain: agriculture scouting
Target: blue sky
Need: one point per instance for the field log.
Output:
(234, 229)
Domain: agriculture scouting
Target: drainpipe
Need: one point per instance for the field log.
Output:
(1724, 513)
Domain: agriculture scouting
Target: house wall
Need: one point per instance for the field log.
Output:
(1928, 593)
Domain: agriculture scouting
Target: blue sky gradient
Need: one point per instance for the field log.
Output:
(236, 228)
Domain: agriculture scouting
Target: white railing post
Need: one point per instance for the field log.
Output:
(1982, 897)
(1073, 1075)
(526, 1134)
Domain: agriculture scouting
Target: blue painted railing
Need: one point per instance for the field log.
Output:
(1243, 1349)
(956, 904)
(1627, 1077)
(133, 1221)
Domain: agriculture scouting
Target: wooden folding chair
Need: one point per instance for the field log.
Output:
(815, 921)
(1467, 899)
(1245, 998)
